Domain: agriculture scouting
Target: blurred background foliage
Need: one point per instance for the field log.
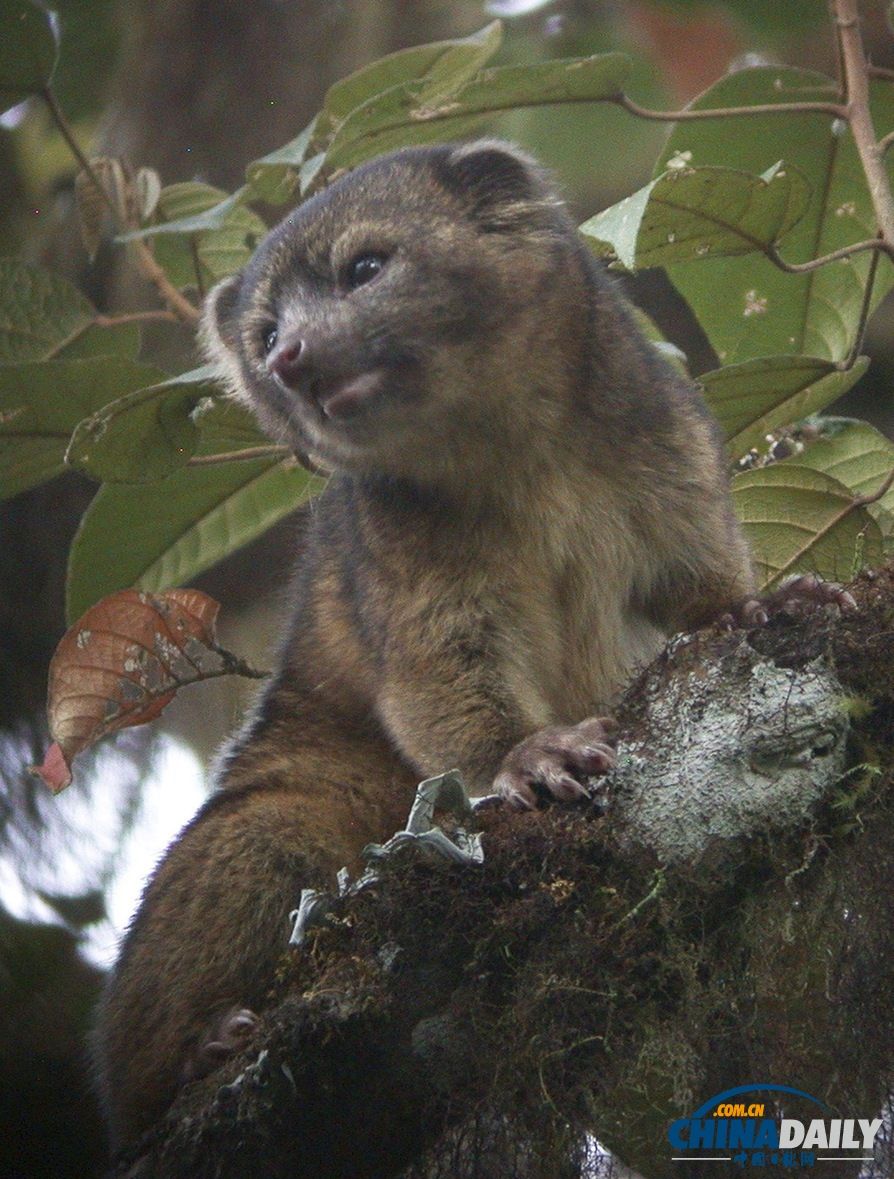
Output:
(196, 90)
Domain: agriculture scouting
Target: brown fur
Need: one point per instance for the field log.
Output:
(517, 518)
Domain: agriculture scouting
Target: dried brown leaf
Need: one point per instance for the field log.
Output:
(147, 190)
(121, 663)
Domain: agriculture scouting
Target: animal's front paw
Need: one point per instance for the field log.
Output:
(796, 597)
(229, 1035)
(552, 762)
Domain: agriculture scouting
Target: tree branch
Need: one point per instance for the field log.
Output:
(846, 16)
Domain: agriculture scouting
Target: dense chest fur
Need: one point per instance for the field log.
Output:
(411, 595)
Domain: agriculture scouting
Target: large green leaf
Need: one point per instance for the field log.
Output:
(689, 213)
(798, 520)
(150, 433)
(214, 214)
(41, 403)
(413, 113)
(747, 306)
(163, 536)
(443, 65)
(28, 50)
(144, 435)
(753, 398)
(44, 317)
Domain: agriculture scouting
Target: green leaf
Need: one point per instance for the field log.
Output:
(28, 50)
(42, 316)
(189, 521)
(220, 251)
(690, 213)
(753, 398)
(413, 114)
(227, 426)
(41, 403)
(274, 177)
(145, 435)
(747, 306)
(861, 458)
(461, 61)
(798, 520)
(442, 63)
(439, 61)
(215, 214)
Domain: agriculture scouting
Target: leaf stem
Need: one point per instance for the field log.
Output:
(857, 347)
(836, 110)
(179, 305)
(233, 665)
(873, 243)
(110, 321)
(157, 316)
(238, 456)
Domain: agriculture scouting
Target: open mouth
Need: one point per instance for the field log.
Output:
(351, 397)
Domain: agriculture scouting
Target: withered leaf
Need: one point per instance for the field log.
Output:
(121, 663)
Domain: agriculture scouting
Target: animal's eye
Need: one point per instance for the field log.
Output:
(363, 269)
(268, 337)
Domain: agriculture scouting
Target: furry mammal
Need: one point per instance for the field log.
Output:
(526, 500)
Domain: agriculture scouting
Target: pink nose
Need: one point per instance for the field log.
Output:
(289, 362)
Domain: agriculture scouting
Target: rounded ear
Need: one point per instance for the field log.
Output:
(218, 326)
(505, 187)
(218, 332)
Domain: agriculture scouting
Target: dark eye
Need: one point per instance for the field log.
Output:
(363, 269)
(268, 337)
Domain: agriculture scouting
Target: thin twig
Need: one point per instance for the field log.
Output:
(873, 243)
(836, 110)
(110, 321)
(180, 305)
(238, 456)
(881, 72)
(857, 347)
(157, 316)
(885, 142)
(67, 133)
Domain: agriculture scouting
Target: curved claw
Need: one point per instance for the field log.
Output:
(554, 761)
(797, 597)
(230, 1034)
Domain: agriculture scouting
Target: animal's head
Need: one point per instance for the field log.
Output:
(386, 312)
